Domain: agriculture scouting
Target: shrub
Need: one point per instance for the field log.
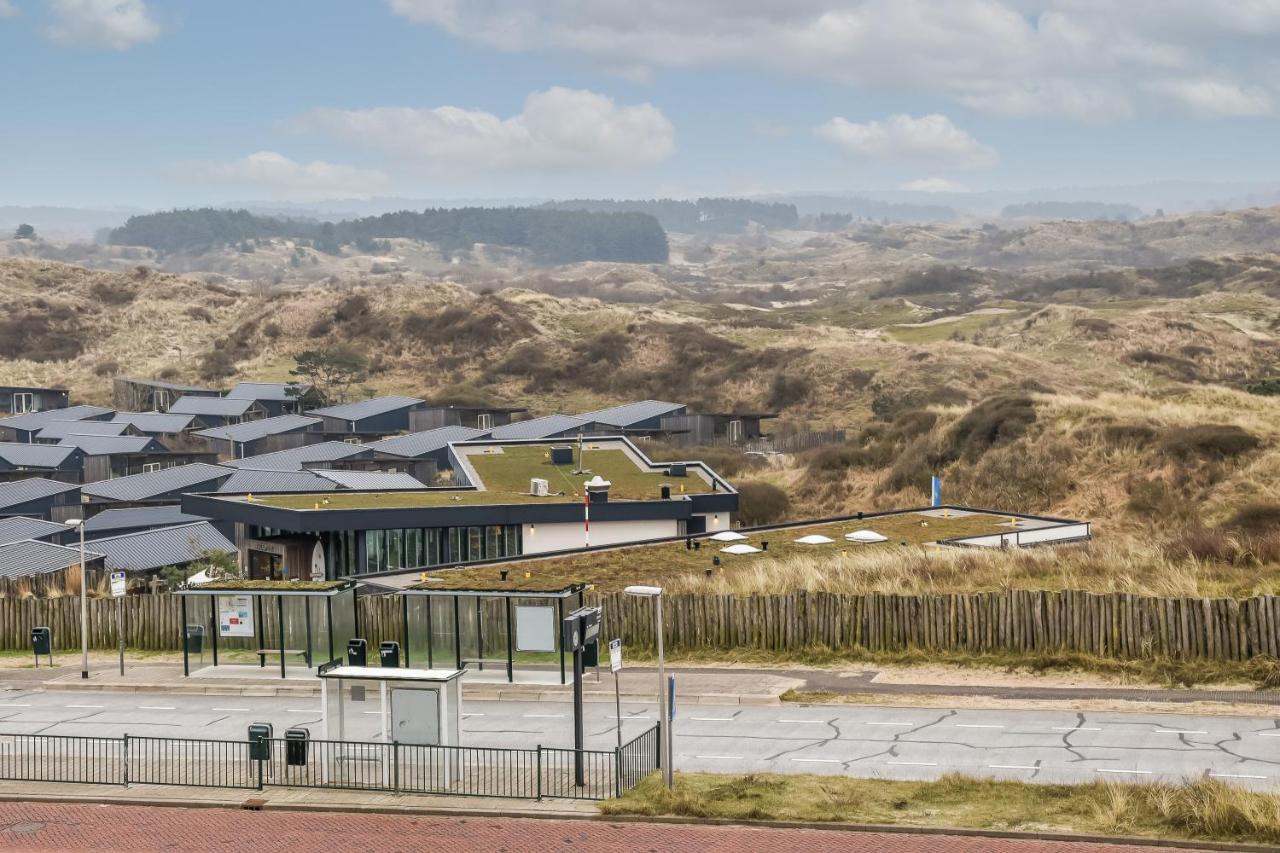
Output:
(992, 422)
(611, 346)
(113, 293)
(1220, 441)
(1255, 519)
(761, 503)
(197, 312)
(786, 391)
(106, 367)
(1139, 434)
(1094, 327)
(217, 364)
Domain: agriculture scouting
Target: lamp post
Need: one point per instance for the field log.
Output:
(78, 524)
(664, 724)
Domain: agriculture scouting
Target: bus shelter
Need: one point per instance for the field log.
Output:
(508, 631)
(239, 625)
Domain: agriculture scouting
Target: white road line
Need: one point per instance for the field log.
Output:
(904, 725)
(542, 716)
(1180, 732)
(1268, 734)
(720, 757)
(1076, 729)
(915, 763)
(615, 716)
(978, 726)
(156, 708)
(819, 760)
(1235, 776)
(85, 706)
(231, 709)
(302, 710)
(1109, 770)
(823, 722)
(1012, 767)
(472, 715)
(713, 719)
(14, 705)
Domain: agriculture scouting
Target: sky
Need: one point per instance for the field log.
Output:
(157, 103)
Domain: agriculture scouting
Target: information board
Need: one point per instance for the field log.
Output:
(235, 616)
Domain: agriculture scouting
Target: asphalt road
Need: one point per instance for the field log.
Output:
(894, 743)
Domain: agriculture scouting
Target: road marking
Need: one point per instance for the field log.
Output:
(1012, 767)
(906, 725)
(231, 709)
(1180, 732)
(977, 726)
(915, 763)
(156, 708)
(1268, 734)
(1109, 770)
(720, 757)
(1235, 776)
(1076, 729)
(473, 715)
(823, 722)
(542, 716)
(819, 760)
(302, 710)
(715, 719)
(629, 717)
(14, 705)
(85, 706)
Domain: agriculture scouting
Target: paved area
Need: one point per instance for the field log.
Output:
(867, 741)
(49, 826)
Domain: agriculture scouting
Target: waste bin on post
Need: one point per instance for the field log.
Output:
(195, 641)
(295, 746)
(42, 644)
(357, 652)
(260, 741)
(389, 653)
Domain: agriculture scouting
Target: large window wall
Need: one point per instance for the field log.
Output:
(410, 548)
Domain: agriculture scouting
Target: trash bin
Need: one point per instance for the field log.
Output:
(195, 639)
(389, 653)
(357, 652)
(259, 741)
(41, 641)
(295, 746)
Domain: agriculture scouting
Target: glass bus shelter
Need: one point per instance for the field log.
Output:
(239, 625)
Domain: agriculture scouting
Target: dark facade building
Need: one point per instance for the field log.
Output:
(481, 418)
(379, 416)
(23, 428)
(706, 429)
(279, 398)
(21, 399)
(219, 411)
(237, 441)
(38, 497)
(153, 395)
(644, 417)
(51, 461)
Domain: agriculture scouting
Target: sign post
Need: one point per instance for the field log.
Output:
(615, 667)
(119, 587)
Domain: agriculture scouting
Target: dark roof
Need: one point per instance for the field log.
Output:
(419, 444)
(31, 557)
(294, 458)
(169, 386)
(61, 429)
(21, 527)
(21, 388)
(155, 422)
(550, 425)
(254, 430)
(35, 455)
(373, 481)
(32, 421)
(139, 487)
(631, 413)
(168, 546)
(367, 408)
(110, 445)
(278, 482)
(31, 489)
(268, 390)
(218, 406)
(132, 518)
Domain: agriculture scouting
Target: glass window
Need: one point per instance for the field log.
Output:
(493, 546)
(395, 549)
(375, 556)
(475, 537)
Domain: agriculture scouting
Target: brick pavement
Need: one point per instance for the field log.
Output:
(57, 826)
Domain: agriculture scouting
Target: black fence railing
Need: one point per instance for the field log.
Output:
(531, 773)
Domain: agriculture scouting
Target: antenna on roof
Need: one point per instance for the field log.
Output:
(582, 463)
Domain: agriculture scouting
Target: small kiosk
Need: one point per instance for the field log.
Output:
(507, 630)
(240, 624)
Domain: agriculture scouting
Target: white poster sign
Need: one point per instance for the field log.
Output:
(235, 616)
(317, 562)
(615, 655)
(118, 585)
(535, 628)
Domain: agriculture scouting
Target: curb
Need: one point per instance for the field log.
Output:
(444, 811)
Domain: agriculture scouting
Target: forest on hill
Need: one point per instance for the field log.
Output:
(551, 236)
(704, 216)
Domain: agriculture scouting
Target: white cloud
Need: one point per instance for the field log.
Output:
(112, 24)
(285, 179)
(7, 9)
(931, 139)
(934, 185)
(1216, 99)
(557, 130)
(1082, 59)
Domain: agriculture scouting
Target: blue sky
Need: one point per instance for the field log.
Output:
(143, 103)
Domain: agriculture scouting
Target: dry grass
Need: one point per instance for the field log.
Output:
(1203, 809)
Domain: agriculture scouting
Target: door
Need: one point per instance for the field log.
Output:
(415, 716)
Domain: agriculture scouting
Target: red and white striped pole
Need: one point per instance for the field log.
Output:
(586, 517)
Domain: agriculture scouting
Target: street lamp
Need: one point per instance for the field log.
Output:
(664, 724)
(78, 524)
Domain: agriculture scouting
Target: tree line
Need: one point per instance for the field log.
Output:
(551, 236)
(704, 216)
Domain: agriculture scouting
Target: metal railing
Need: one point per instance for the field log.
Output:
(532, 773)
